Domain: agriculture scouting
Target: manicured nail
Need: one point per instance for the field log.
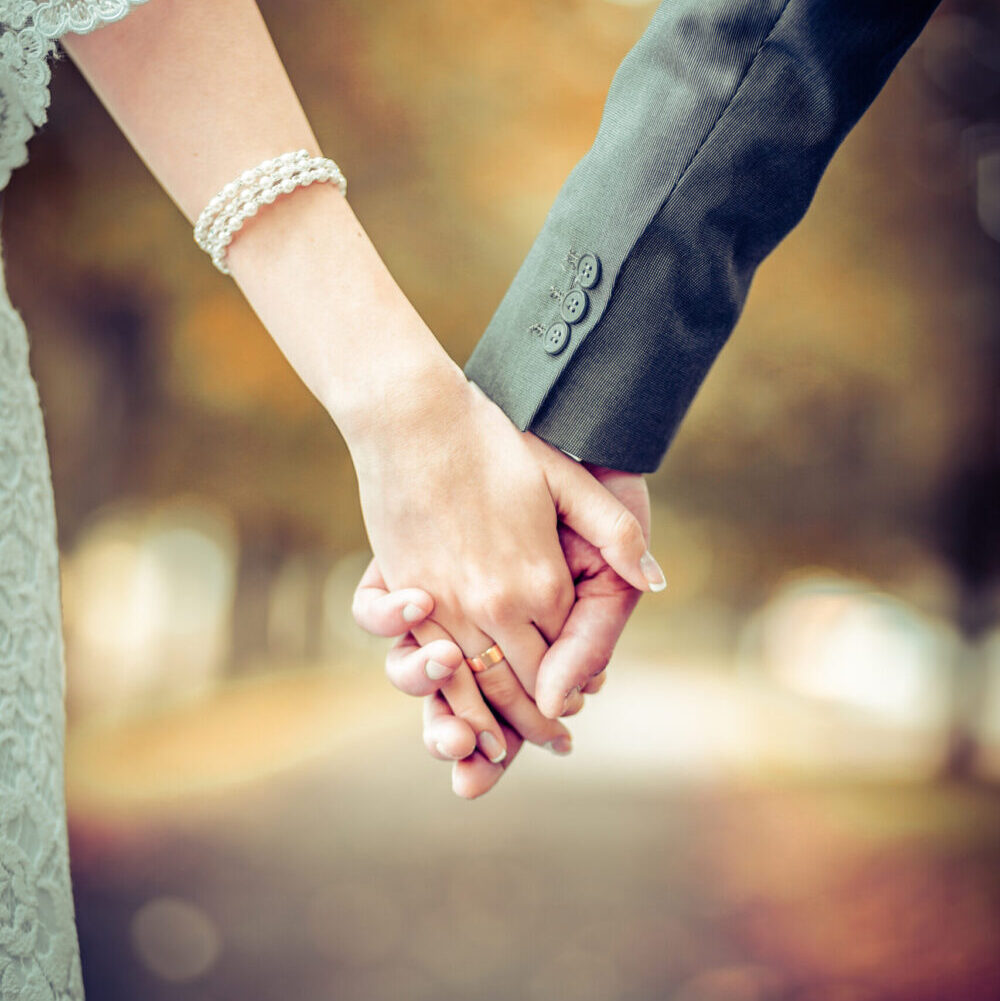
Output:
(491, 747)
(652, 572)
(561, 745)
(436, 671)
(411, 612)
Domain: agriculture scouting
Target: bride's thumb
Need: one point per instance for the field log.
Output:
(595, 514)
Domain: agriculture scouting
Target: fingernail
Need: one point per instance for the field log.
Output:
(652, 572)
(436, 671)
(571, 697)
(412, 612)
(560, 745)
(442, 750)
(492, 747)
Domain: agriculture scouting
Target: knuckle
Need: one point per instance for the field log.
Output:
(628, 531)
(500, 687)
(497, 606)
(551, 590)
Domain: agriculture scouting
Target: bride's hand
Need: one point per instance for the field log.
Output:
(572, 667)
(460, 503)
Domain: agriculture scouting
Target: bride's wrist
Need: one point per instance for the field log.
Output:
(330, 303)
(405, 399)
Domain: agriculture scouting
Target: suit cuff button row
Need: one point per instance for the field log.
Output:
(574, 305)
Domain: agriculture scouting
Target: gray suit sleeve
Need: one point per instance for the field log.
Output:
(716, 131)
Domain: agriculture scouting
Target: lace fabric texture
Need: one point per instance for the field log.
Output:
(28, 34)
(39, 960)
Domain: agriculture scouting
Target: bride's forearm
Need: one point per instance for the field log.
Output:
(201, 94)
(317, 283)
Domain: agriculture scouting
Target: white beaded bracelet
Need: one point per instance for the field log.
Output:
(241, 199)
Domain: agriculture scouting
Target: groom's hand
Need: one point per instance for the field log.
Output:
(574, 664)
(576, 660)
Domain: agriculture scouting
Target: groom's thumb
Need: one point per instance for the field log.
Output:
(596, 515)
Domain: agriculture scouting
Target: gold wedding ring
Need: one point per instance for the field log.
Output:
(486, 660)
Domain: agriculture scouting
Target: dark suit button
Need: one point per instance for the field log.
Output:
(556, 337)
(574, 305)
(588, 271)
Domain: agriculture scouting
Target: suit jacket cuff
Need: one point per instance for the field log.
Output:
(717, 129)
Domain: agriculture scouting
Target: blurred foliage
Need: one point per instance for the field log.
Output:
(836, 428)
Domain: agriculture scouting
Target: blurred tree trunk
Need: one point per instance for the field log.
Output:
(966, 81)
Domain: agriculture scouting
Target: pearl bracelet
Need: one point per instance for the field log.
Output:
(241, 199)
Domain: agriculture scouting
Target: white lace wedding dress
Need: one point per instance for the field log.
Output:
(38, 949)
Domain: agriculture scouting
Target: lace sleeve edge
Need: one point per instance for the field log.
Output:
(52, 19)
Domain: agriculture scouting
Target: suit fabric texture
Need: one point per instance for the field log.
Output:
(717, 129)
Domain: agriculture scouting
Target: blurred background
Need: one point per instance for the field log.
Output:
(788, 788)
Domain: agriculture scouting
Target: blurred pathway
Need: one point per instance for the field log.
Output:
(352, 873)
